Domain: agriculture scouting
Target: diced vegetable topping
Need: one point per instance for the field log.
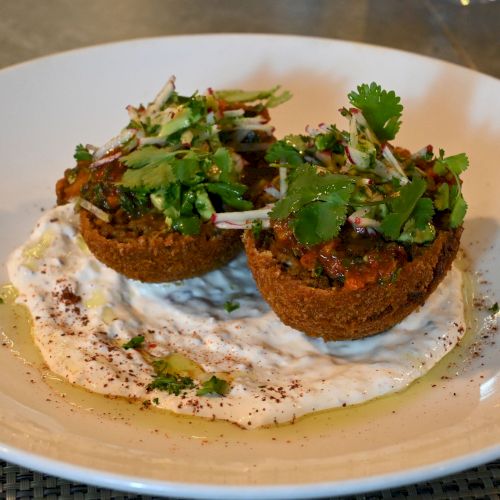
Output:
(178, 156)
(329, 178)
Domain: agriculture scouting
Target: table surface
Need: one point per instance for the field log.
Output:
(464, 32)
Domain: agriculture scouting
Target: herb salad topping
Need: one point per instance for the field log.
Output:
(348, 201)
(180, 157)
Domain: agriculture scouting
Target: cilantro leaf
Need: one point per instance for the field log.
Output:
(172, 384)
(273, 98)
(223, 160)
(423, 213)
(187, 225)
(148, 155)
(82, 153)
(152, 176)
(456, 163)
(308, 185)
(412, 234)
(401, 207)
(442, 197)
(134, 342)
(230, 306)
(381, 109)
(213, 386)
(458, 212)
(283, 153)
(318, 221)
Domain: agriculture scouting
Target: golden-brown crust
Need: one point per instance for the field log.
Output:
(339, 314)
(160, 257)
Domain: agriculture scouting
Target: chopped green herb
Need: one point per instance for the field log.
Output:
(82, 153)
(456, 165)
(172, 384)
(2, 301)
(213, 386)
(230, 306)
(134, 342)
(317, 271)
(273, 99)
(401, 207)
(256, 228)
(494, 308)
(442, 197)
(156, 401)
(382, 109)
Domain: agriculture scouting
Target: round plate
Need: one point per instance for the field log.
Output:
(447, 421)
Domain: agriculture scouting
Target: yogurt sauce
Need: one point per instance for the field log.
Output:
(83, 313)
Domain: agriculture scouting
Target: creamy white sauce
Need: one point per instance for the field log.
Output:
(84, 312)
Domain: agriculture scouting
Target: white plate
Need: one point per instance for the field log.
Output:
(50, 105)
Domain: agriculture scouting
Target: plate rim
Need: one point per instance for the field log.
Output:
(207, 491)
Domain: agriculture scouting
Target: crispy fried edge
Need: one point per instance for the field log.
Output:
(338, 314)
(161, 258)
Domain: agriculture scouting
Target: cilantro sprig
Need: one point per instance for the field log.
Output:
(381, 108)
(316, 202)
(353, 177)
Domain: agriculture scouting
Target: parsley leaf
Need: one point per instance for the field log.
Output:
(230, 306)
(2, 301)
(381, 109)
(401, 207)
(134, 342)
(172, 384)
(213, 386)
(82, 153)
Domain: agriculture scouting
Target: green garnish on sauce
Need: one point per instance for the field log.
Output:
(134, 342)
(173, 384)
(230, 306)
(215, 386)
(494, 308)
